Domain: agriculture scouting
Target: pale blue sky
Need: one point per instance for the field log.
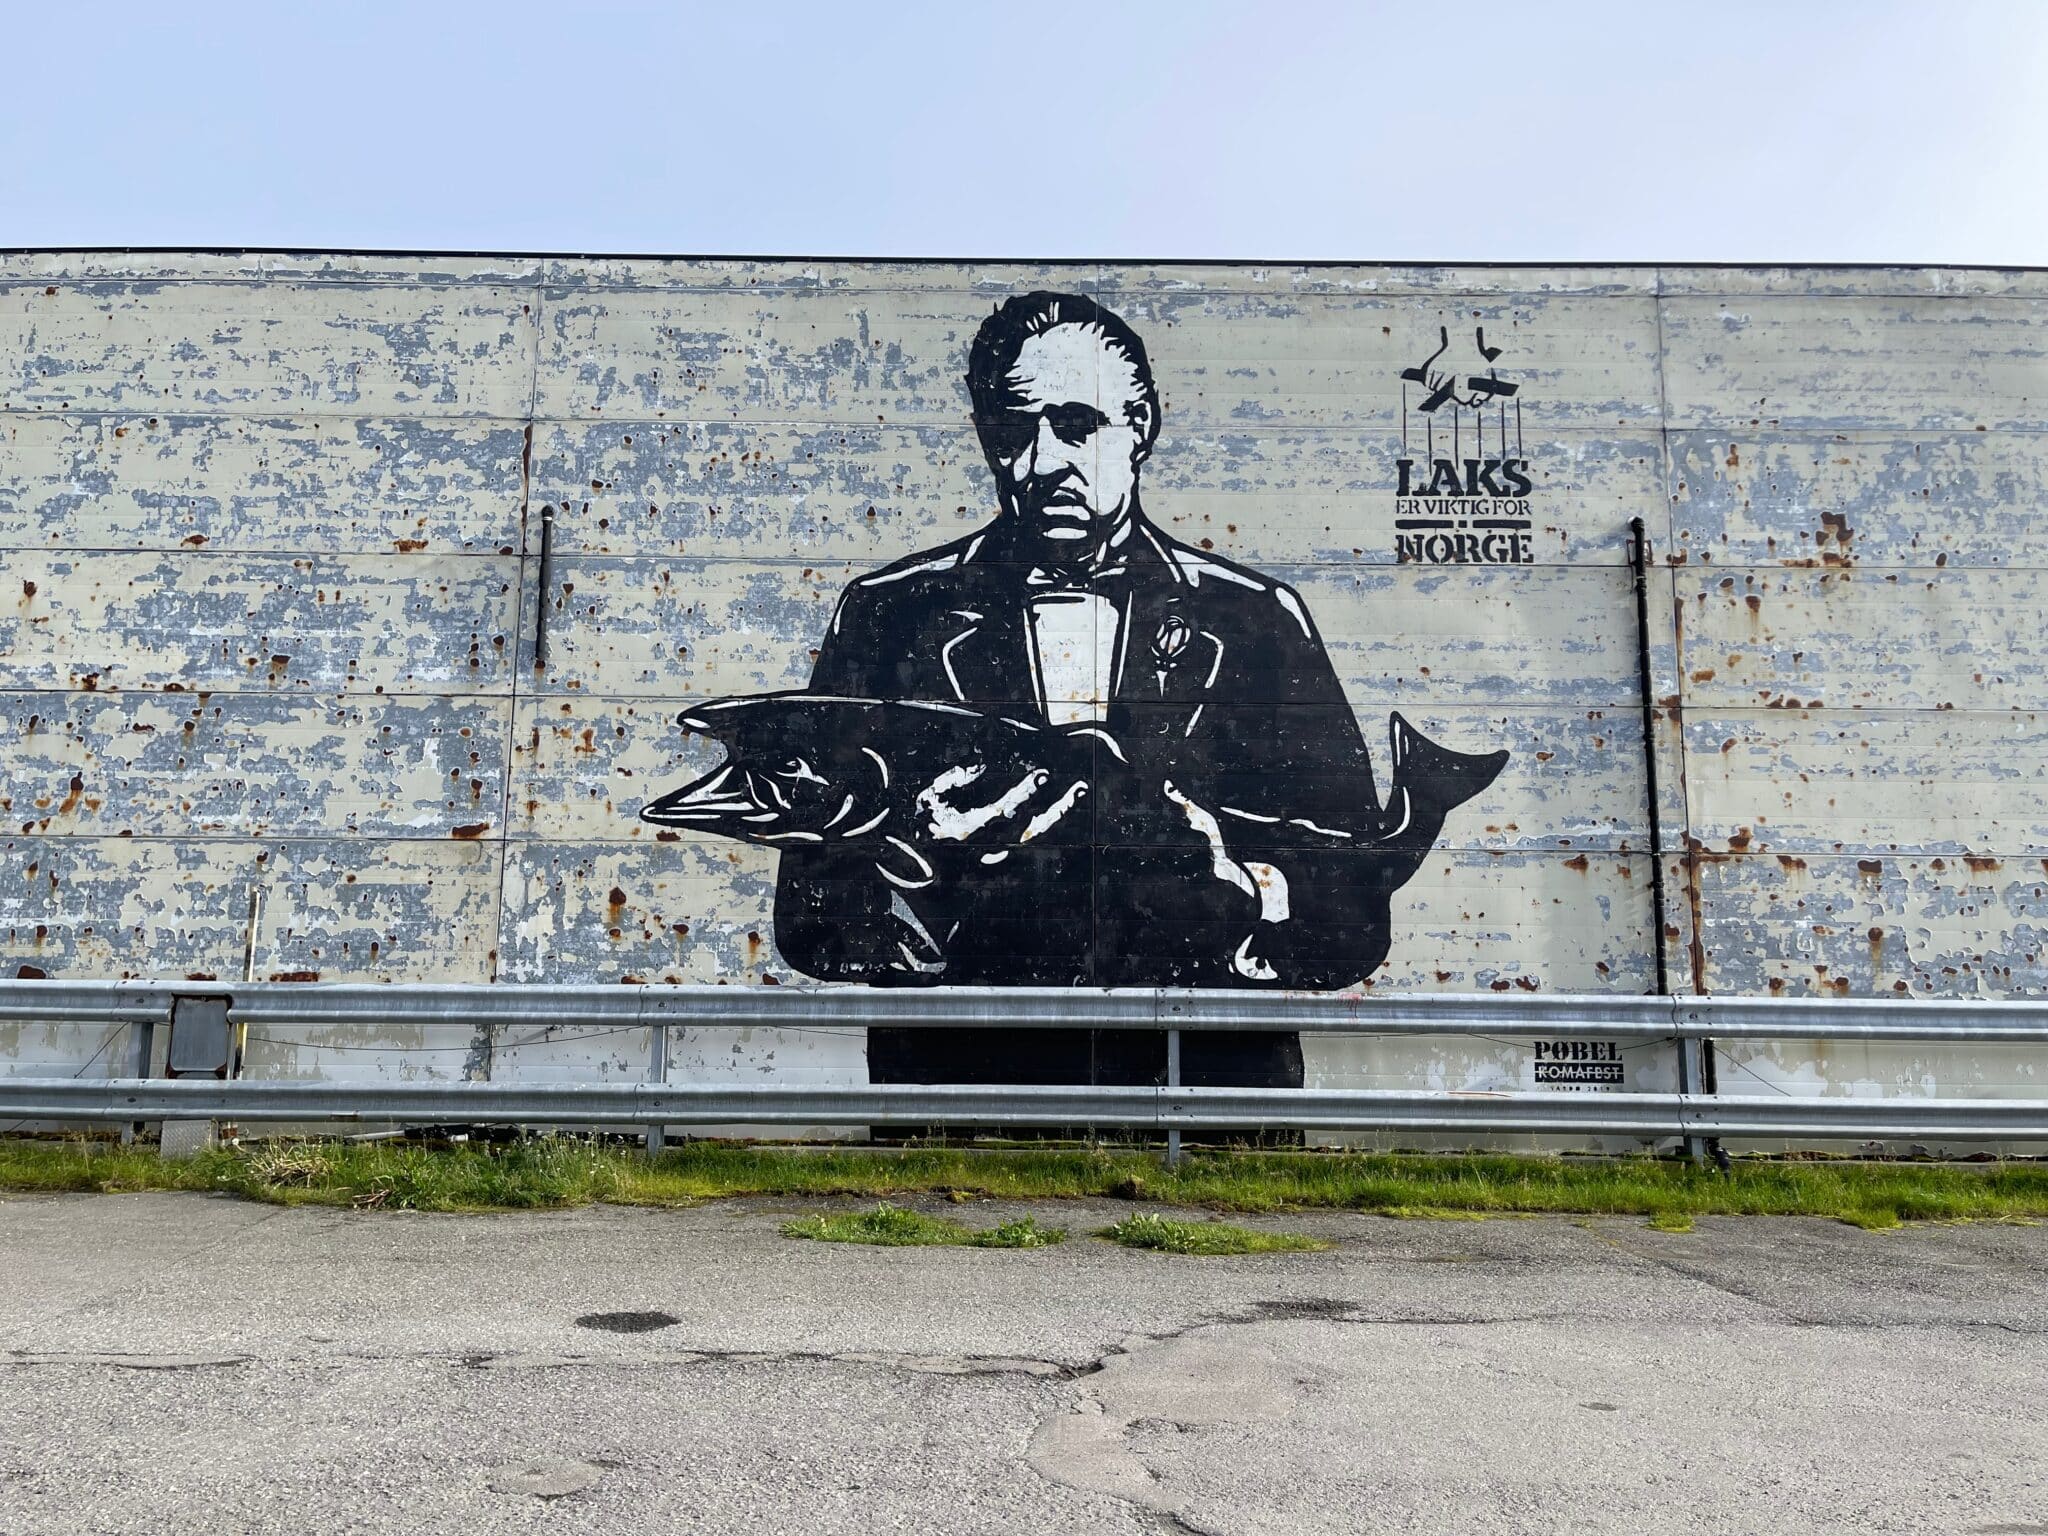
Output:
(1537, 130)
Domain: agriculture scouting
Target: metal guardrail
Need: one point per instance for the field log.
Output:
(1689, 1114)
(1649, 1115)
(1528, 1016)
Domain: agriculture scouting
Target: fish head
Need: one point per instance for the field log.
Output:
(791, 773)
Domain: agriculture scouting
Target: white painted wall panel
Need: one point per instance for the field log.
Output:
(294, 503)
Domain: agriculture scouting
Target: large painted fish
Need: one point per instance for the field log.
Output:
(807, 769)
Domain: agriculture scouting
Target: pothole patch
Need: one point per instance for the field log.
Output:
(1308, 1308)
(545, 1477)
(626, 1322)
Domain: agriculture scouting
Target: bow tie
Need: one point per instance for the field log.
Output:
(1063, 578)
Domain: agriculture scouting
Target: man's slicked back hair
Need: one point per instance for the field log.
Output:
(1019, 318)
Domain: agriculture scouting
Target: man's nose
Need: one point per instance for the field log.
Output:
(1048, 450)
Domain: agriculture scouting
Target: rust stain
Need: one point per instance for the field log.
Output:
(473, 830)
(1696, 944)
(1580, 864)
(1979, 865)
(1738, 842)
(28, 590)
(525, 475)
(411, 546)
(70, 801)
(294, 975)
(27, 972)
(193, 540)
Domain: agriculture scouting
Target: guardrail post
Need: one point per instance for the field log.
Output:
(1173, 1081)
(202, 1044)
(1692, 1079)
(141, 1052)
(657, 1075)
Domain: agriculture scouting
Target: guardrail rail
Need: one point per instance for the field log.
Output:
(1691, 1114)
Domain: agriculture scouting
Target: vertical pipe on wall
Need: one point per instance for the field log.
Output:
(1689, 1051)
(1638, 564)
(545, 579)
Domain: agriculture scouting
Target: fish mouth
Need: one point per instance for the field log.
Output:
(727, 793)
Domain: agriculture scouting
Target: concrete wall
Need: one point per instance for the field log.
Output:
(270, 532)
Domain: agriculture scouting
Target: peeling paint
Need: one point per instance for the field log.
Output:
(271, 611)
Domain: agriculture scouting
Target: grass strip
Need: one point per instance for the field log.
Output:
(1163, 1234)
(891, 1226)
(545, 1173)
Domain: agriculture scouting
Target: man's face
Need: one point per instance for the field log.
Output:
(1072, 429)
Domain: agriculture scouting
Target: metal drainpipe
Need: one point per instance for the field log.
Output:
(1691, 1052)
(547, 565)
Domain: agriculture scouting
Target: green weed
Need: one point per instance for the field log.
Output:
(1165, 1235)
(549, 1172)
(891, 1226)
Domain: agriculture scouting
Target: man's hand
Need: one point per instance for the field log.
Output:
(970, 806)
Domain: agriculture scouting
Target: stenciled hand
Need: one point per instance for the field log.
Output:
(970, 805)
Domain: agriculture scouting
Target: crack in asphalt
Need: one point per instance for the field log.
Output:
(1790, 1318)
(1275, 1310)
(120, 1362)
(118, 1289)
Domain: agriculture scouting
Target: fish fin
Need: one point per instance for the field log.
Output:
(1437, 773)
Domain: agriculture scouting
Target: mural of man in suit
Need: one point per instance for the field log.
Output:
(1211, 819)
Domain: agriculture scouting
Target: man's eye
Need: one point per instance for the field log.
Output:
(1010, 434)
(1074, 424)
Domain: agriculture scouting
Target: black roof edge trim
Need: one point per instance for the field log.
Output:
(1034, 261)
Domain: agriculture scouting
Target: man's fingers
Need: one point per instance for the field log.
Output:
(1015, 812)
(955, 822)
(1050, 815)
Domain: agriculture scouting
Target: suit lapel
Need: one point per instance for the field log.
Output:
(1168, 662)
(984, 655)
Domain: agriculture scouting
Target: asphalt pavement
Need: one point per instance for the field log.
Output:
(182, 1363)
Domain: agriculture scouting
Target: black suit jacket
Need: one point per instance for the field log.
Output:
(1206, 854)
